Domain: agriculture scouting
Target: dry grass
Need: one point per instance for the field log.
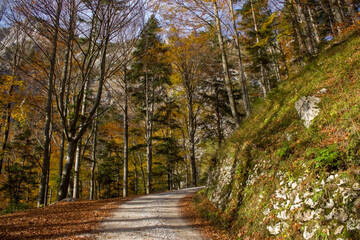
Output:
(209, 230)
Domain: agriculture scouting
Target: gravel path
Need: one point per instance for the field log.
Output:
(155, 216)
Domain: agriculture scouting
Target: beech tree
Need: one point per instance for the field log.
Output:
(188, 56)
(94, 61)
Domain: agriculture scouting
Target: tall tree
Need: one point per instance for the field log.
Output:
(188, 57)
(151, 71)
(95, 64)
(48, 9)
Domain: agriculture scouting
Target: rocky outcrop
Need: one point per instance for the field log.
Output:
(328, 205)
(307, 107)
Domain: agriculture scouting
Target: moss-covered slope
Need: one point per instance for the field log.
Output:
(275, 178)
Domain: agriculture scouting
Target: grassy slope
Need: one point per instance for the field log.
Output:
(332, 143)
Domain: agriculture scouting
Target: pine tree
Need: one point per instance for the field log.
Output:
(149, 73)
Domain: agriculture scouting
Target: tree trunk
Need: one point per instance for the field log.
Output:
(142, 171)
(218, 117)
(126, 137)
(306, 25)
(242, 82)
(192, 131)
(65, 179)
(47, 139)
(149, 126)
(314, 25)
(341, 5)
(136, 177)
(92, 182)
(336, 10)
(298, 32)
(61, 157)
(77, 171)
(78, 154)
(352, 10)
(264, 83)
(225, 66)
(326, 7)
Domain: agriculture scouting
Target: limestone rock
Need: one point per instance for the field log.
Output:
(307, 108)
(309, 234)
(274, 230)
(266, 211)
(311, 203)
(330, 204)
(353, 224)
(337, 214)
(338, 230)
(282, 215)
(322, 91)
(356, 186)
(312, 214)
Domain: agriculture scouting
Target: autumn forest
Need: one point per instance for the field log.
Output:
(111, 98)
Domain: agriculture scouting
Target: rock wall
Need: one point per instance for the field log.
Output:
(326, 205)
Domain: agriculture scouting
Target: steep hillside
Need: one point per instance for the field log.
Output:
(275, 178)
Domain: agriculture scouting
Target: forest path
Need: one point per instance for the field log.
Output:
(151, 217)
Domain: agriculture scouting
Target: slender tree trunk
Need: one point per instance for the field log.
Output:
(136, 176)
(218, 117)
(99, 190)
(142, 171)
(296, 26)
(50, 196)
(243, 84)
(62, 150)
(46, 153)
(46, 188)
(327, 9)
(126, 137)
(78, 153)
(306, 25)
(283, 58)
(264, 83)
(225, 66)
(118, 177)
(314, 25)
(148, 135)
(93, 165)
(341, 5)
(192, 131)
(77, 170)
(275, 64)
(337, 13)
(6, 129)
(352, 10)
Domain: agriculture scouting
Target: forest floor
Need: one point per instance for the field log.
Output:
(63, 220)
(168, 215)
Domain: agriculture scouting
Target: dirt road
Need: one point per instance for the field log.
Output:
(151, 217)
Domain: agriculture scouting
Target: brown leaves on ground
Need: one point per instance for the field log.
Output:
(203, 225)
(63, 220)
